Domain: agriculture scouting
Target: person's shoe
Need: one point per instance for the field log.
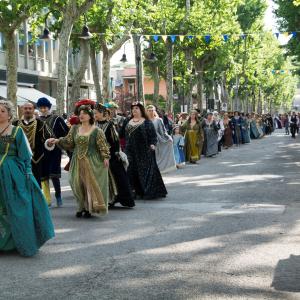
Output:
(59, 202)
(79, 214)
(87, 215)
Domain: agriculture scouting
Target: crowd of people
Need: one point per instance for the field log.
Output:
(112, 158)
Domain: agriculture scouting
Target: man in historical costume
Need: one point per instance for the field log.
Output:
(37, 133)
(52, 166)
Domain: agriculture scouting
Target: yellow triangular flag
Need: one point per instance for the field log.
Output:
(164, 37)
(199, 37)
(181, 38)
(286, 34)
(147, 37)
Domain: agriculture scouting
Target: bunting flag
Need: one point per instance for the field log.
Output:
(155, 38)
(243, 36)
(286, 34)
(173, 38)
(181, 38)
(207, 39)
(147, 37)
(226, 37)
(164, 37)
(277, 34)
(190, 36)
(294, 34)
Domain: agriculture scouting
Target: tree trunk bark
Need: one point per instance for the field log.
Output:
(199, 77)
(139, 68)
(79, 74)
(105, 71)
(96, 77)
(11, 65)
(62, 81)
(169, 77)
(188, 57)
(156, 80)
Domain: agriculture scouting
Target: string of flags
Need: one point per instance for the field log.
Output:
(281, 72)
(208, 38)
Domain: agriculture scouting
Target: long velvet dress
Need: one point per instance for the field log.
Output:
(194, 138)
(25, 222)
(124, 195)
(237, 136)
(144, 175)
(245, 131)
(227, 138)
(254, 134)
(164, 148)
(88, 176)
(210, 138)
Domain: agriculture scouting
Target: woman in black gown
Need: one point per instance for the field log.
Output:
(120, 179)
(144, 176)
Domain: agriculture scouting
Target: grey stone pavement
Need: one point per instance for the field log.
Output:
(229, 229)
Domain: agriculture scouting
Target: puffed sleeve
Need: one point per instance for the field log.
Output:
(102, 145)
(67, 142)
(23, 149)
(184, 127)
(60, 129)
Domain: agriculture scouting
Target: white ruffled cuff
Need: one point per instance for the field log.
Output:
(49, 148)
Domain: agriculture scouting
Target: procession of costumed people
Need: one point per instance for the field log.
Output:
(113, 159)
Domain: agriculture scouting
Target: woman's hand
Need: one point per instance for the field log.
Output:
(106, 163)
(152, 147)
(52, 141)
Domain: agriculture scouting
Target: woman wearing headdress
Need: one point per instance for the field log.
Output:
(245, 128)
(228, 129)
(211, 129)
(25, 222)
(117, 174)
(141, 139)
(237, 124)
(254, 134)
(89, 164)
(164, 148)
(194, 137)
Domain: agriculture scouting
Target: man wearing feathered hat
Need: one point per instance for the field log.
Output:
(52, 163)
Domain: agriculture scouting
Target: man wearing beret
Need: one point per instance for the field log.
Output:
(52, 162)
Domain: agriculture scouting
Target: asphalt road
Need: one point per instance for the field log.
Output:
(229, 229)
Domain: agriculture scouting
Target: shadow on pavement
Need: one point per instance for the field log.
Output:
(287, 275)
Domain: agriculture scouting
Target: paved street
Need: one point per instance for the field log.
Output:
(229, 229)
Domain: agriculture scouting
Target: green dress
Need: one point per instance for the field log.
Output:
(194, 137)
(88, 176)
(25, 222)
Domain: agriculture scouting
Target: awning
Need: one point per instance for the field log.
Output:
(25, 94)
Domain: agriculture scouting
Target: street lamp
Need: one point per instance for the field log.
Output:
(85, 34)
(124, 58)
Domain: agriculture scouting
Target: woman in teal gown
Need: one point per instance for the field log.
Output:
(25, 222)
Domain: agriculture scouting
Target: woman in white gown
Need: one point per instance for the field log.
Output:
(164, 149)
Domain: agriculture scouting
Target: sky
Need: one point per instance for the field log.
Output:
(270, 24)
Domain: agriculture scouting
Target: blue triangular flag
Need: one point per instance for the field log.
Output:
(226, 37)
(243, 36)
(173, 38)
(155, 38)
(190, 36)
(207, 39)
(277, 34)
(294, 34)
